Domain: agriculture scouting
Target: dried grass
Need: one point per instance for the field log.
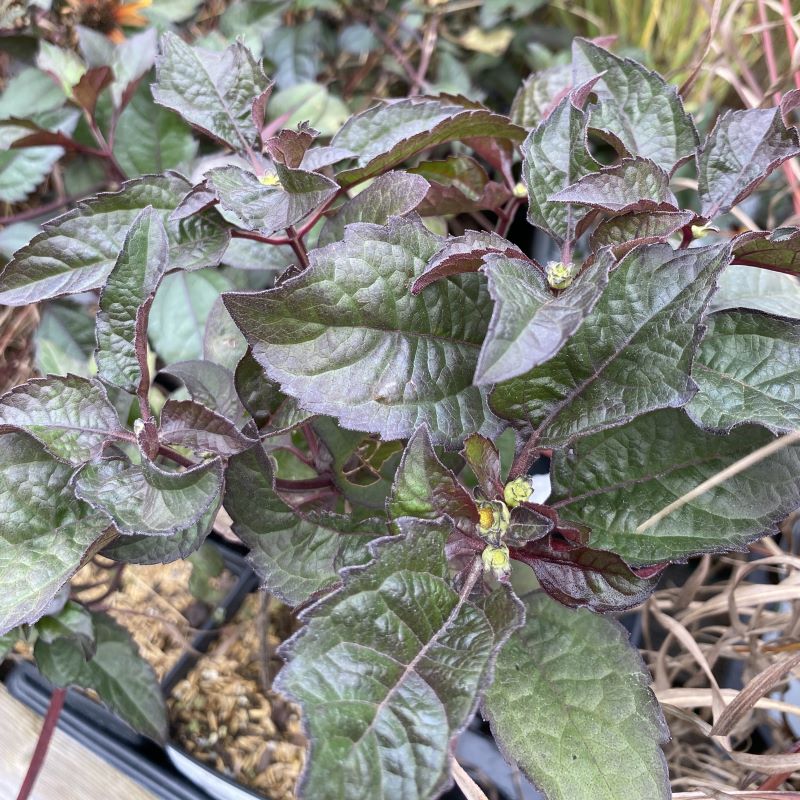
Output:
(722, 648)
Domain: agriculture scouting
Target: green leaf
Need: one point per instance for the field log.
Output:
(384, 361)
(180, 310)
(747, 370)
(30, 92)
(269, 209)
(164, 549)
(123, 680)
(555, 155)
(189, 424)
(778, 249)
(70, 416)
(467, 253)
(210, 385)
(617, 366)
(578, 576)
(64, 340)
(624, 232)
(484, 460)
(741, 150)
(271, 409)
(370, 705)
(212, 91)
(573, 677)
(146, 499)
(295, 52)
(65, 66)
(362, 468)
(72, 622)
(23, 169)
(632, 185)
(312, 103)
(539, 94)
(760, 289)
(151, 139)
(425, 489)
(77, 251)
(391, 195)
(529, 323)
(44, 531)
(7, 642)
(638, 111)
(603, 482)
(392, 132)
(126, 299)
(296, 554)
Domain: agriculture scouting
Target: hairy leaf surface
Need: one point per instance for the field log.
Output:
(190, 424)
(70, 416)
(748, 370)
(387, 671)
(44, 531)
(77, 251)
(573, 678)
(632, 353)
(616, 480)
(347, 338)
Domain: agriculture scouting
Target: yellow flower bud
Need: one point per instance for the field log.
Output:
(699, 231)
(270, 180)
(518, 491)
(560, 276)
(493, 520)
(520, 191)
(497, 561)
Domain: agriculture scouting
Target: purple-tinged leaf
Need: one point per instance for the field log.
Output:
(273, 411)
(147, 499)
(742, 149)
(425, 489)
(539, 94)
(189, 424)
(70, 416)
(198, 199)
(777, 250)
(458, 185)
(380, 361)
(620, 364)
(289, 147)
(125, 301)
(484, 461)
(578, 576)
(530, 323)
(573, 675)
(397, 705)
(625, 232)
(45, 532)
(211, 385)
(391, 195)
(615, 480)
(76, 251)
(555, 155)
(631, 186)
(88, 89)
(296, 554)
(318, 157)
(462, 254)
(212, 91)
(527, 524)
(393, 131)
(638, 112)
(748, 370)
(270, 208)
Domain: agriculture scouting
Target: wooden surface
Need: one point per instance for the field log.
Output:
(71, 772)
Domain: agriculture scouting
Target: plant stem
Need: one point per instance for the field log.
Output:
(296, 243)
(524, 461)
(42, 743)
(468, 786)
(46, 208)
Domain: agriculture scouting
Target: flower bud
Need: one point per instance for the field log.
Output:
(518, 491)
(493, 520)
(520, 191)
(560, 276)
(497, 561)
(270, 180)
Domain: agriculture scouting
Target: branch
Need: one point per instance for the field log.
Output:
(468, 786)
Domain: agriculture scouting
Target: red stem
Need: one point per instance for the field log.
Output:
(43, 742)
